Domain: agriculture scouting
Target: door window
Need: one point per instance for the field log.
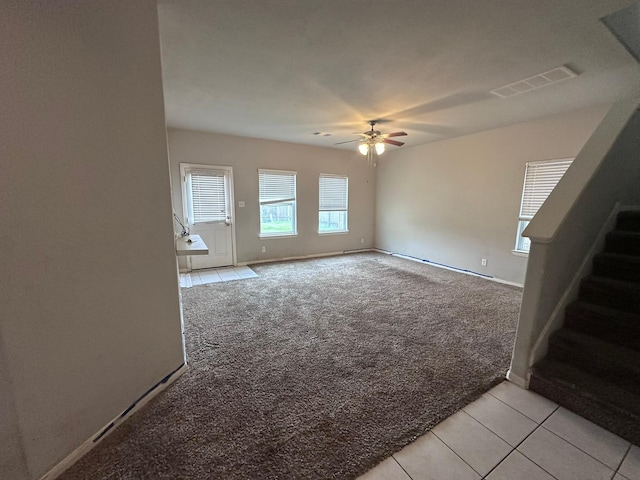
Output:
(206, 197)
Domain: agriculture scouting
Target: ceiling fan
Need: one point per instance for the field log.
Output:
(374, 139)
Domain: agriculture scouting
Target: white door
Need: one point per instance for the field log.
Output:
(207, 193)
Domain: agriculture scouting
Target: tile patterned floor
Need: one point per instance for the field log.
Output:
(214, 275)
(510, 434)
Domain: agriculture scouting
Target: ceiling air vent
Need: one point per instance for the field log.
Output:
(537, 81)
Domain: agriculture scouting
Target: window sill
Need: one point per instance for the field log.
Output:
(336, 232)
(285, 235)
(520, 253)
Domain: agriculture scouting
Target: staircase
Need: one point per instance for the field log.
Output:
(593, 363)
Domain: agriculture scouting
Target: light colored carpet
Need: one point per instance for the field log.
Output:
(317, 369)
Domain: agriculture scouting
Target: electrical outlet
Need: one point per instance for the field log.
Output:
(362, 240)
(264, 249)
(484, 262)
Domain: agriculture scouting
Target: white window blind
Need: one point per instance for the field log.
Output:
(208, 203)
(276, 186)
(333, 196)
(277, 197)
(333, 193)
(540, 179)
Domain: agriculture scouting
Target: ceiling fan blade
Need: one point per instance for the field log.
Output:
(393, 142)
(430, 128)
(396, 134)
(348, 141)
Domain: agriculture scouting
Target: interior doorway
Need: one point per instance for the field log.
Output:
(207, 199)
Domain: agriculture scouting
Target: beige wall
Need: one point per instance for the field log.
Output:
(246, 156)
(88, 282)
(457, 201)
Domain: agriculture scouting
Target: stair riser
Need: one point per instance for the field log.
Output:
(610, 330)
(622, 299)
(623, 425)
(621, 370)
(618, 269)
(629, 222)
(623, 244)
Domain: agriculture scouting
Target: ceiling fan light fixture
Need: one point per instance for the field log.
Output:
(373, 140)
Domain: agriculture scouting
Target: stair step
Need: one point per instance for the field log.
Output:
(616, 265)
(620, 365)
(594, 398)
(629, 220)
(622, 241)
(606, 323)
(619, 294)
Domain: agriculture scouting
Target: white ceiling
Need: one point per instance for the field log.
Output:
(283, 69)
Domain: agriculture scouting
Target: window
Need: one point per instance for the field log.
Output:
(540, 178)
(206, 199)
(277, 194)
(334, 195)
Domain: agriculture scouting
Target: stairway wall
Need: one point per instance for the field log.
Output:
(605, 172)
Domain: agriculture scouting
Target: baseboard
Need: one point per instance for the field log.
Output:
(447, 267)
(302, 257)
(399, 255)
(91, 442)
(518, 380)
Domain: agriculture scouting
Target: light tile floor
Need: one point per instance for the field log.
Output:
(214, 275)
(510, 434)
